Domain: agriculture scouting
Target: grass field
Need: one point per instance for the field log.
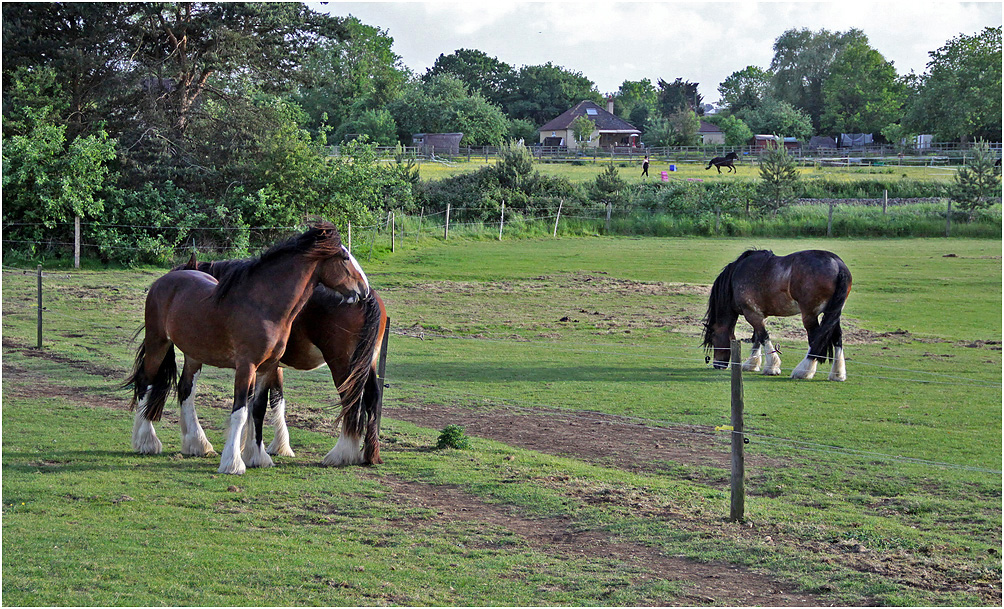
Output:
(586, 171)
(885, 489)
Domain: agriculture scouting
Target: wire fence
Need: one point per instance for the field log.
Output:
(611, 352)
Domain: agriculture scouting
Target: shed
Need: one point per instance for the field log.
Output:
(441, 143)
(760, 142)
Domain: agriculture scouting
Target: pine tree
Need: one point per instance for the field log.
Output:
(778, 178)
(976, 182)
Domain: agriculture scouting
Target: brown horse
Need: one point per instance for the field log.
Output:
(347, 337)
(759, 284)
(723, 161)
(242, 322)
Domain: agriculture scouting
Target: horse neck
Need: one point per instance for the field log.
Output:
(291, 286)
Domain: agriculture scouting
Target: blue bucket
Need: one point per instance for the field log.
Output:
(672, 167)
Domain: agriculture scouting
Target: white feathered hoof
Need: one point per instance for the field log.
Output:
(144, 437)
(231, 462)
(345, 452)
(805, 370)
(839, 370)
(280, 449)
(197, 445)
(254, 455)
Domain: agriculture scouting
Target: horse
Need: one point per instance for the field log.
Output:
(241, 321)
(723, 161)
(759, 284)
(347, 337)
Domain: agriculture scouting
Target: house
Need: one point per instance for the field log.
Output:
(611, 130)
(711, 134)
(441, 143)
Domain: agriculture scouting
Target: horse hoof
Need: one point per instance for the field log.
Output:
(772, 372)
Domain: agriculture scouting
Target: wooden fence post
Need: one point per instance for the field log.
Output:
(737, 510)
(421, 217)
(40, 306)
(350, 237)
(885, 201)
(446, 226)
(948, 220)
(557, 217)
(501, 220)
(76, 242)
(609, 210)
(829, 222)
(393, 220)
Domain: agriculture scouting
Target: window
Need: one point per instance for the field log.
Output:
(591, 111)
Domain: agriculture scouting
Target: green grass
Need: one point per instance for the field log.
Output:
(896, 459)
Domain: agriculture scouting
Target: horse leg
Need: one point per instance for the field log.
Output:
(231, 462)
(276, 400)
(839, 371)
(806, 369)
(346, 450)
(752, 363)
(193, 438)
(152, 378)
(253, 449)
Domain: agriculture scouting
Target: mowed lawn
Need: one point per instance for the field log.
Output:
(883, 489)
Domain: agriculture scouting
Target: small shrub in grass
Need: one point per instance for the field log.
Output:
(453, 436)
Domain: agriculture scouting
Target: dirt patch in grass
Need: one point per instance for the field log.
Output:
(704, 583)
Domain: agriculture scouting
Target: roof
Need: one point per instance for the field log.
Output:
(605, 122)
(707, 127)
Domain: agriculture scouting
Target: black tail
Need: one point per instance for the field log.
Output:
(158, 388)
(360, 368)
(710, 163)
(829, 336)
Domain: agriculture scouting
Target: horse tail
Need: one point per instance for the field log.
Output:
(718, 303)
(155, 390)
(710, 163)
(829, 335)
(360, 367)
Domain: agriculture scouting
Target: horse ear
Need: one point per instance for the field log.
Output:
(192, 263)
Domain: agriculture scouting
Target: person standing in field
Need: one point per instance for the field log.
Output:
(644, 167)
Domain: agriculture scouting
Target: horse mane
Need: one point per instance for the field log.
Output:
(720, 300)
(317, 243)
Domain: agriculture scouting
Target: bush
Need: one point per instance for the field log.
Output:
(453, 436)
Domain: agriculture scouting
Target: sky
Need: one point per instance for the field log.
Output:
(702, 42)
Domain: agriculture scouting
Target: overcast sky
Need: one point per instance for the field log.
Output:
(702, 42)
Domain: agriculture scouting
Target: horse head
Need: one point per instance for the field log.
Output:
(339, 269)
(718, 340)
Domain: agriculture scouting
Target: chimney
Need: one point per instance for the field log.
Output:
(610, 104)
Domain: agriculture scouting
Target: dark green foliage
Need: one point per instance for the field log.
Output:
(609, 186)
(977, 184)
(778, 177)
(453, 436)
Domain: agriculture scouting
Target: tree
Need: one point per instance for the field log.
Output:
(48, 178)
(540, 93)
(745, 89)
(685, 125)
(443, 105)
(636, 101)
(481, 74)
(678, 96)
(775, 116)
(609, 186)
(658, 132)
(976, 185)
(736, 131)
(778, 177)
(377, 125)
(959, 95)
(582, 129)
(862, 93)
(349, 75)
(801, 65)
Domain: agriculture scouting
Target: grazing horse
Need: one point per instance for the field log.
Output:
(759, 284)
(330, 330)
(241, 321)
(723, 161)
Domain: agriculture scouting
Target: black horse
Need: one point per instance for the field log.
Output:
(723, 161)
(759, 284)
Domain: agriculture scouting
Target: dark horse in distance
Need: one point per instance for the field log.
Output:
(241, 322)
(723, 161)
(759, 284)
(334, 331)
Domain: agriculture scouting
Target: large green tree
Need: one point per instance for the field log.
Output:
(801, 65)
(679, 96)
(350, 75)
(959, 96)
(481, 74)
(776, 116)
(540, 93)
(862, 93)
(444, 105)
(745, 89)
(636, 100)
